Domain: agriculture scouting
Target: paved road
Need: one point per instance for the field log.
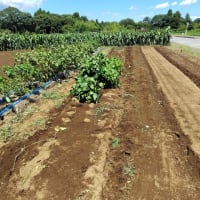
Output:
(191, 42)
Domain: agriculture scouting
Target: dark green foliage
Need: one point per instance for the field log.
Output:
(96, 72)
(40, 65)
(87, 89)
(16, 21)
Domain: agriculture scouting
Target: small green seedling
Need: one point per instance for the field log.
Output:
(115, 143)
(129, 169)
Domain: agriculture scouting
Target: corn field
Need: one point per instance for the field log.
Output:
(30, 41)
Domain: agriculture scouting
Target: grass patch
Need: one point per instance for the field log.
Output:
(50, 95)
(56, 97)
(129, 169)
(5, 133)
(185, 49)
(40, 122)
(100, 110)
(58, 103)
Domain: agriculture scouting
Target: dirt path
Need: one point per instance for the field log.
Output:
(129, 146)
(182, 93)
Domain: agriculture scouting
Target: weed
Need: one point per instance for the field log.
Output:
(16, 118)
(19, 116)
(25, 179)
(64, 96)
(129, 169)
(58, 103)
(31, 109)
(186, 49)
(100, 110)
(58, 99)
(125, 95)
(40, 122)
(83, 195)
(115, 143)
(5, 133)
(51, 95)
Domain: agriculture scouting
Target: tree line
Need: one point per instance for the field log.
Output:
(15, 21)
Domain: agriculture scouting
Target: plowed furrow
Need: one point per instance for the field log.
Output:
(182, 93)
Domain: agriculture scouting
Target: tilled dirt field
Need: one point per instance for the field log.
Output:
(187, 64)
(7, 57)
(134, 144)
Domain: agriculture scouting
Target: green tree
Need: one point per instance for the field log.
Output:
(48, 23)
(170, 13)
(67, 23)
(159, 21)
(111, 27)
(16, 21)
(76, 15)
(127, 23)
(176, 20)
(146, 23)
(41, 12)
(196, 23)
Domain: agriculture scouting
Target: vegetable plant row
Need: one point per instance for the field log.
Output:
(35, 67)
(96, 72)
(30, 41)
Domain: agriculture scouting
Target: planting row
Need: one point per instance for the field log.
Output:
(30, 41)
(35, 67)
(95, 73)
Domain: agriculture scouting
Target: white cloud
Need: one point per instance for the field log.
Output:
(22, 4)
(162, 5)
(188, 2)
(132, 8)
(194, 17)
(174, 3)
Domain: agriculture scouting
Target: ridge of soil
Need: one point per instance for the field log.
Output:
(129, 146)
(188, 65)
(181, 92)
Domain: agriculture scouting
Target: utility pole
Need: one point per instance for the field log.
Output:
(187, 25)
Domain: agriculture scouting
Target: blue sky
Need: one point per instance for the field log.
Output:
(108, 10)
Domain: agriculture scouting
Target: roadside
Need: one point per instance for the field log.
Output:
(193, 42)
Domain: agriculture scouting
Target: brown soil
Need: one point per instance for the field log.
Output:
(7, 57)
(182, 93)
(189, 65)
(129, 146)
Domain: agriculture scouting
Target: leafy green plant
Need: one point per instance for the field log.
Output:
(87, 89)
(34, 67)
(110, 73)
(96, 72)
(115, 143)
(25, 71)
